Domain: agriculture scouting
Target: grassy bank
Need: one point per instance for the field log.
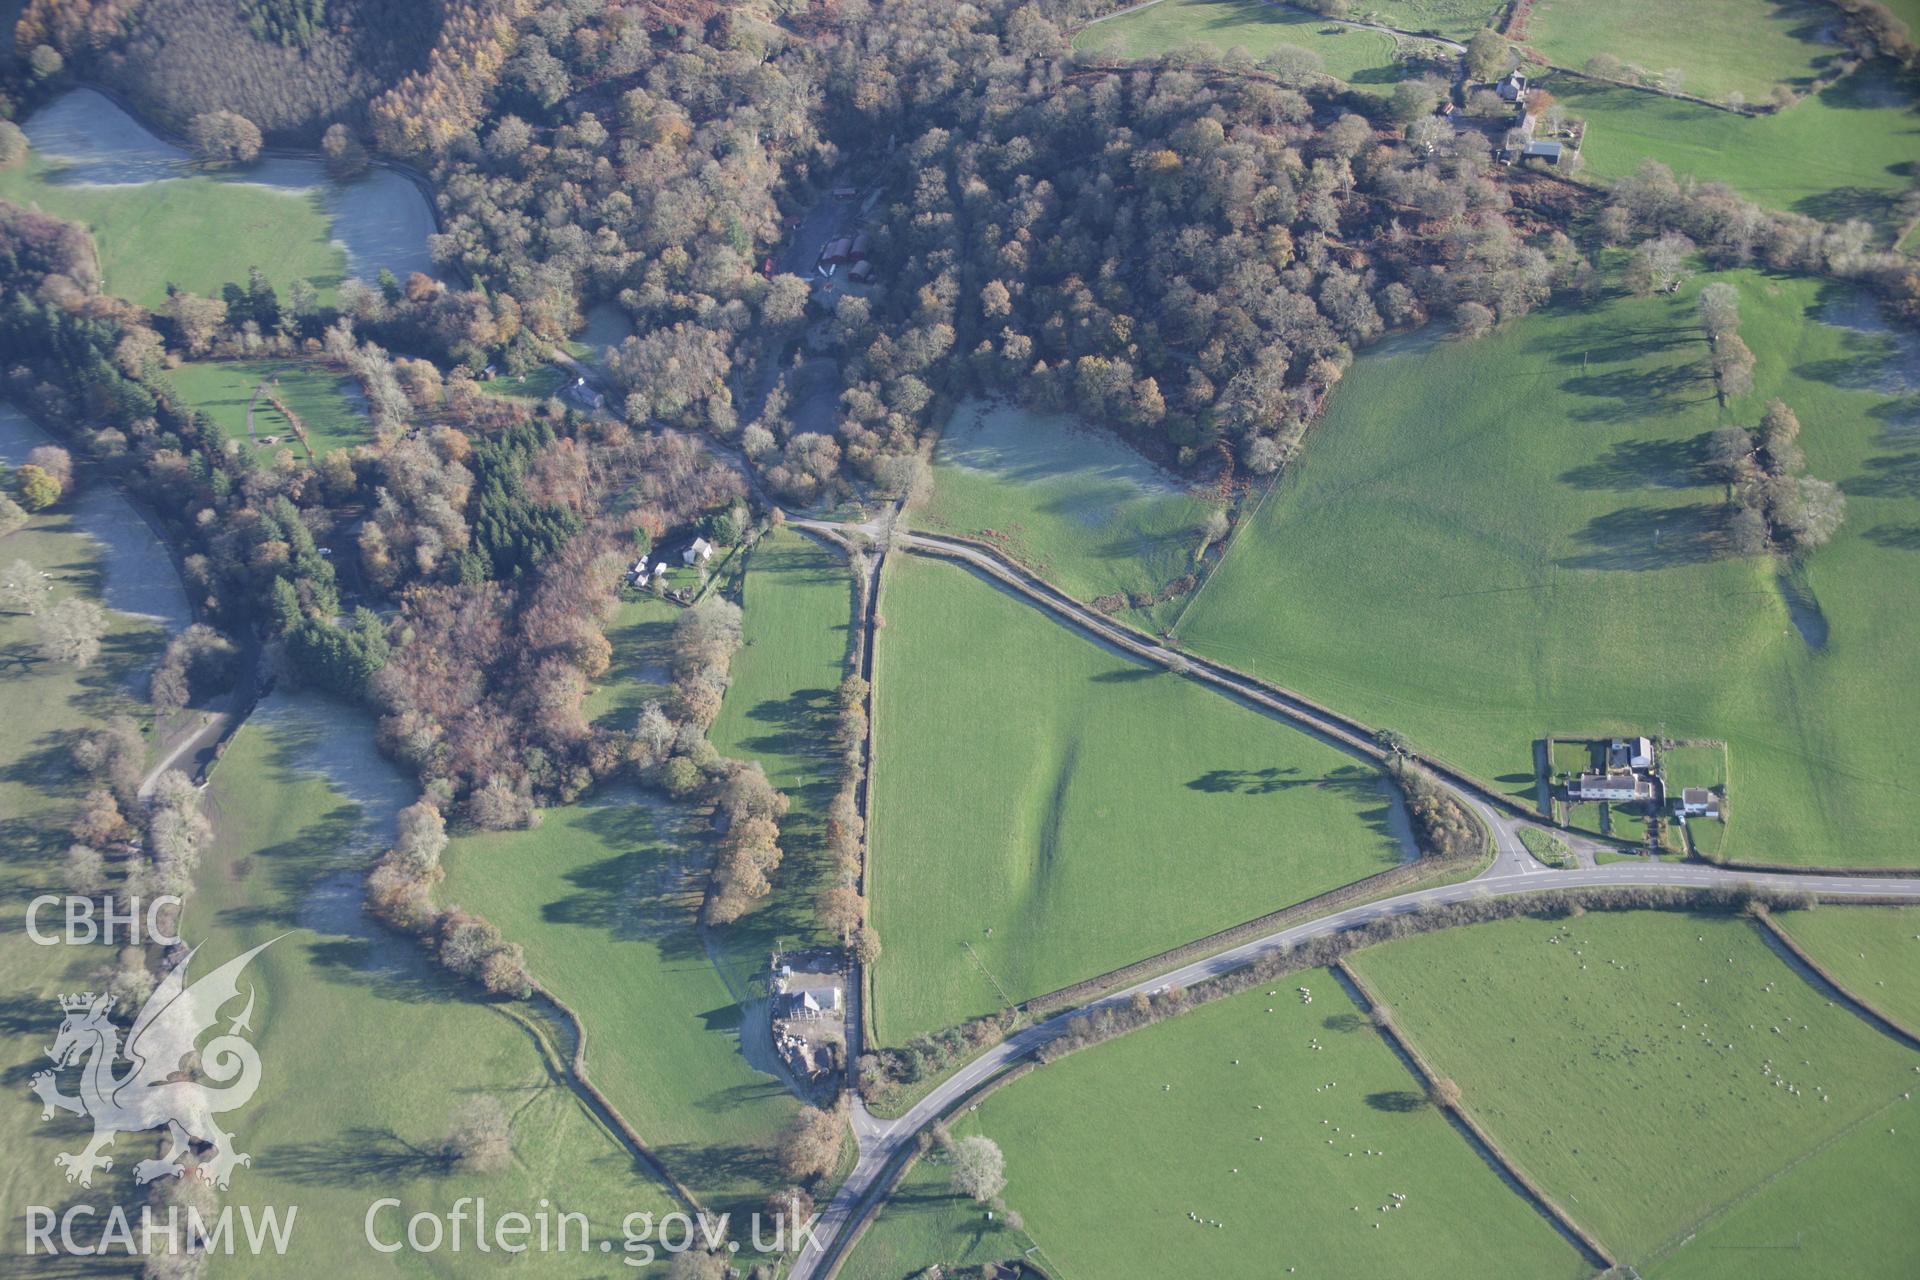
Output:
(1492, 540)
(1363, 59)
(1069, 500)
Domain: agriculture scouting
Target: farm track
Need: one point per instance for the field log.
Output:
(885, 1146)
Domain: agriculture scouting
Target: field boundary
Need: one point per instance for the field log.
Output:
(603, 1106)
(869, 1205)
(1354, 735)
(1407, 874)
(1886, 1022)
(1384, 1020)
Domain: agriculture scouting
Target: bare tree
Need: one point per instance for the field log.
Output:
(224, 137)
(480, 1138)
(22, 588)
(70, 632)
(1719, 310)
(810, 1148)
(979, 1170)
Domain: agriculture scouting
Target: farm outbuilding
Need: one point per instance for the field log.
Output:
(1551, 152)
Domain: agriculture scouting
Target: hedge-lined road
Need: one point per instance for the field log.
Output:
(882, 1140)
(1513, 871)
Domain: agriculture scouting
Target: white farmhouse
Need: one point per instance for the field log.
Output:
(699, 553)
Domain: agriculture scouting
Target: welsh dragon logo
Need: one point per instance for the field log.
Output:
(157, 1089)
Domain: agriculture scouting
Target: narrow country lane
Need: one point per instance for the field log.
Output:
(1513, 871)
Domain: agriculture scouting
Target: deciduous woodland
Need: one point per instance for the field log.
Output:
(627, 366)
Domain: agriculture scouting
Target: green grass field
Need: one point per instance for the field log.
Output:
(1070, 501)
(1363, 59)
(48, 708)
(604, 896)
(641, 672)
(1721, 46)
(797, 608)
(1845, 152)
(1032, 790)
(366, 1047)
(326, 403)
(1105, 1162)
(1653, 1071)
(1873, 951)
(1456, 19)
(1706, 766)
(198, 232)
(1488, 540)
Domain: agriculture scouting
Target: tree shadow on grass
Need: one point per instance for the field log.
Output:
(1645, 538)
(1896, 537)
(1643, 464)
(704, 1165)
(1635, 394)
(1344, 1023)
(358, 1157)
(1841, 204)
(1397, 1100)
(1894, 475)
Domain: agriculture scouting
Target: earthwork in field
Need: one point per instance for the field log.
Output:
(1362, 58)
(1489, 541)
(1845, 151)
(1034, 789)
(1718, 47)
(1070, 501)
(238, 396)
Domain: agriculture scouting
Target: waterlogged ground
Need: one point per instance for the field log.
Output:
(366, 1047)
(159, 219)
(136, 573)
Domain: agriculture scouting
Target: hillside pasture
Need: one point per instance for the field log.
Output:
(1847, 151)
(366, 1047)
(1032, 790)
(1219, 1115)
(605, 896)
(780, 710)
(1071, 501)
(1719, 46)
(327, 404)
(1455, 19)
(1652, 1071)
(1356, 56)
(1489, 541)
(49, 706)
(1873, 952)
